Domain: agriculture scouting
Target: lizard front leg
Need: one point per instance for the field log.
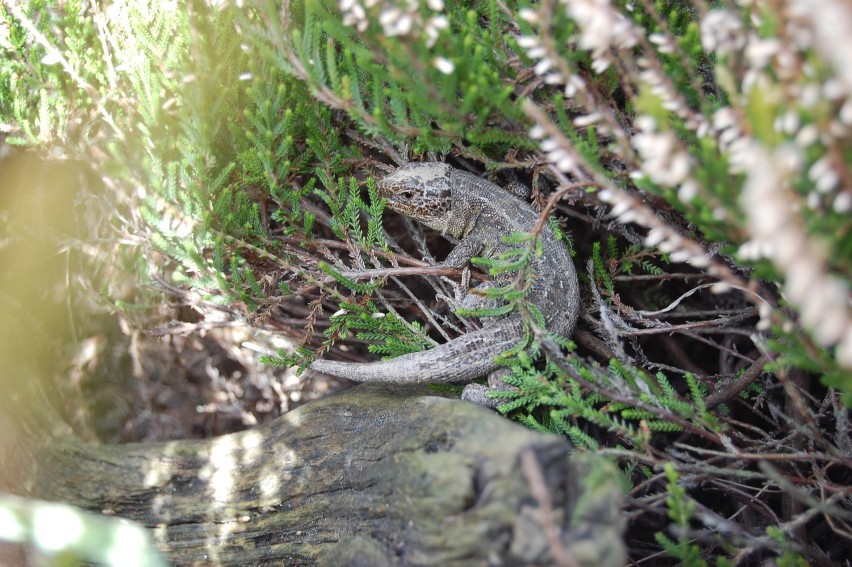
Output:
(459, 257)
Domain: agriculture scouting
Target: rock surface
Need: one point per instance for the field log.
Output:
(377, 475)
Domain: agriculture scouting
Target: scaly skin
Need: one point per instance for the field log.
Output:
(478, 213)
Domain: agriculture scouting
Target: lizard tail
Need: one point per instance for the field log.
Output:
(463, 359)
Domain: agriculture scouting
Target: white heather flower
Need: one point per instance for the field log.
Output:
(679, 256)
(664, 161)
(543, 66)
(655, 236)
(354, 14)
(587, 120)
(790, 158)
(672, 242)
(837, 130)
(727, 137)
(663, 41)
(749, 250)
(601, 64)
(760, 51)
(843, 202)
(607, 196)
(557, 154)
(660, 85)
(395, 22)
(566, 164)
(844, 349)
(807, 136)
(396, 18)
(688, 191)
(813, 200)
(788, 122)
(730, 139)
(824, 176)
(672, 105)
(724, 118)
(433, 28)
(628, 217)
(536, 52)
(549, 144)
(846, 113)
(530, 16)
(528, 41)
(810, 96)
(768, 202)
(575, 84)
(738, 153)
(722, 31)
(828, 323)
(602, 28)
(537, 132)
(645, 122)
(720, 287)
(620, 207)
(443, 65)
(765, 313)
(832, 25)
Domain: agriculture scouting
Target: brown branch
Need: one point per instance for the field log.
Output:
(712, 323)
(538, 488)
(413, 271)
(750, 375)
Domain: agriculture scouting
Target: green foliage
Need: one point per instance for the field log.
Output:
(644, 404)
(387, 333)
(61, 535)
(787, 558)
(346, 208)
(392, 335)
(394, 86)
(348, 282)
(613, 261)
(35, 91)
(515, 263)
(681, 509)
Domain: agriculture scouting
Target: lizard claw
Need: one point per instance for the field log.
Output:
(460, 290)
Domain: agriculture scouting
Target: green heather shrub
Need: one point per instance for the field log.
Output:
(695, 158)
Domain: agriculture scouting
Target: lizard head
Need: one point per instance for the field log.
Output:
(421, 191)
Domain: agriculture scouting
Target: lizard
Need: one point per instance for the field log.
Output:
(477, 214)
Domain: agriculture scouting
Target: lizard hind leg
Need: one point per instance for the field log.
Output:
(478, 393)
